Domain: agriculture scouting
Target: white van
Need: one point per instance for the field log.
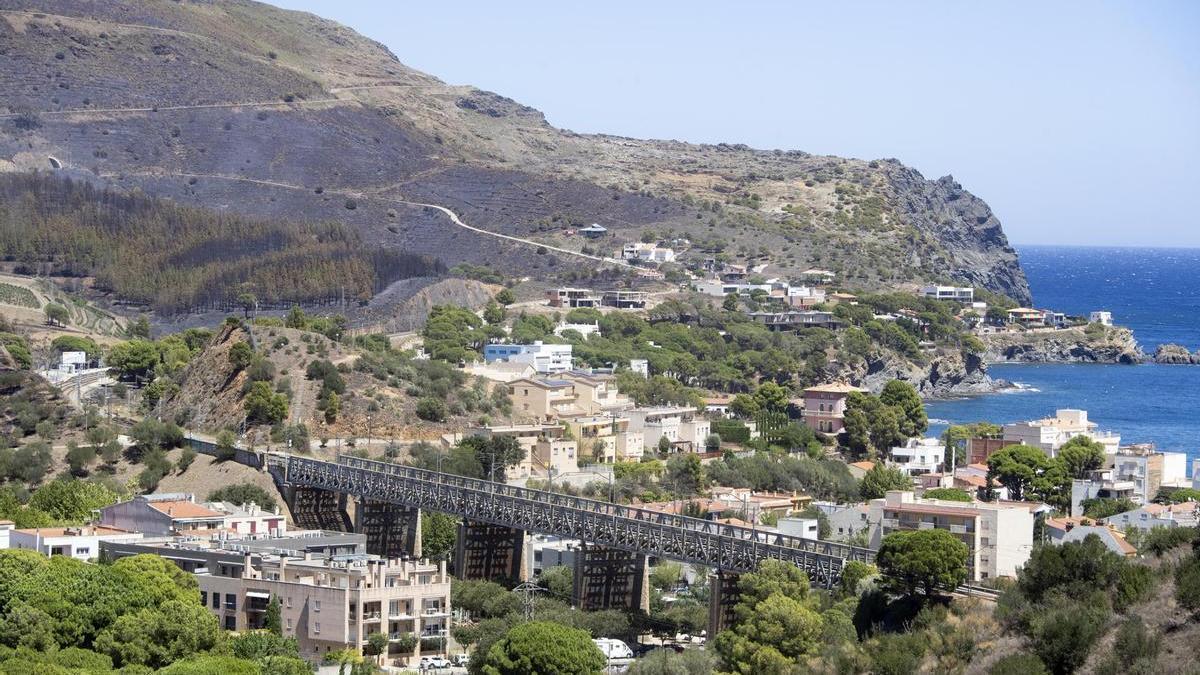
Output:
(613, 649)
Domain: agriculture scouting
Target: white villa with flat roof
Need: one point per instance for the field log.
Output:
(1051, 433)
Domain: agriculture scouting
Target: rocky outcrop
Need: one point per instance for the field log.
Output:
(947, 373)
(1175, 355)
(1071, 345)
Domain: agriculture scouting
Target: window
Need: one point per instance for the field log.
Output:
(204, 598)
(83, 550)
(317, 606)
(231, 622)
(230, 601)
(289, 602)
(289, 624)
(216, 600)
(317, 627)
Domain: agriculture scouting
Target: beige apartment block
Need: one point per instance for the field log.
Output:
(999, 537)
(328, 600)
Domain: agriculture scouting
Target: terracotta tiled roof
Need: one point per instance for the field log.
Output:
(184, 509)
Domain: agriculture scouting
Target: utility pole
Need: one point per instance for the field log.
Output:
(527, 590)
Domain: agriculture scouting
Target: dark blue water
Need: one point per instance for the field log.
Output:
(1156, 292)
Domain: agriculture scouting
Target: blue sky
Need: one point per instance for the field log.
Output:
(1078, 122)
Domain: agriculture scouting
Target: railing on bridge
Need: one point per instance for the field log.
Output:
(693, 540)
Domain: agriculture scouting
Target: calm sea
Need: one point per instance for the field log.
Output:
(1154, 291)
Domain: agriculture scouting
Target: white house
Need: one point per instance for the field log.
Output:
(584, 329)
(650, 253)
(640, 366)
(955, 293)
(919, 456)
(81, 543)
(545, 358)
(1101, 317)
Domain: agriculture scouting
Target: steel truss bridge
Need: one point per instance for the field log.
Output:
(691, 540)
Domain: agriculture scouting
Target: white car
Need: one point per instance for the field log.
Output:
(434, 663)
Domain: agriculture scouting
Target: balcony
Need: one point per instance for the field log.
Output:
(890, 523)
(926, 526)
(959, 529)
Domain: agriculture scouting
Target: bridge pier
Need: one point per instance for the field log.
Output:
(316, 509)
(723, 596)
(490, 552)
(610, 578)
(393, 531)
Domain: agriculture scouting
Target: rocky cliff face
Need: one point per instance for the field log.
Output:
(947, 373)
(1175, 355)
(138, 95)
(1073, 345)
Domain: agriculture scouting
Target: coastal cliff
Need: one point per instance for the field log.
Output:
(1091, 344)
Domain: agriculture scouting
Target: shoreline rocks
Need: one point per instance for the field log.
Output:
(1175, 355)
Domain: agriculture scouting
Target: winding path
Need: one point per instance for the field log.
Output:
(454, 218)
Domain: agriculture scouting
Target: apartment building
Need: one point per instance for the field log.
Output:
(683, 428)
(1149, 470)
(549, 451)
(825, 407)
(999, 537)
(919, 456)
(543, 400)
(595, 394)
(545, 358)
(329, 599)
(179, 512)
(1052, 433)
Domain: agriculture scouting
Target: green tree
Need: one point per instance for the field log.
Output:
(226, 444)
(543, 647)
(133, 359)
(924, 560)
(1020, 468)
(271, 618)
(1064, 631)
(505, 297)
(1081, 456)
(685, 472)
(493, 313)
(244, 493)
(377, 643)
(1100, 508)
(248, 302)
(333, 407)
(240, 355)
(1178, 496)
(744, 406)
(264, 405)
(880, 479)
(730, 303)
(886, 431)
(949, 494)
(439, 532)
(160, 636)
(559, 582)
(56, 315)
(771, 397)
(431, 409)
(907, 402)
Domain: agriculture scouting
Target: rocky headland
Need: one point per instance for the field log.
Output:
(1091, 344)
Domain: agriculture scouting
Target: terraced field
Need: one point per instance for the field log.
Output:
(18, 296)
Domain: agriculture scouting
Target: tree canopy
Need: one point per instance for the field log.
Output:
(922, 560)
(543, 647)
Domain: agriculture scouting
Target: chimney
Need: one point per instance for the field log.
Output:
(247, 570)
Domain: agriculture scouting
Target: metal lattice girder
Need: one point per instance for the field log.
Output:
(652, 533)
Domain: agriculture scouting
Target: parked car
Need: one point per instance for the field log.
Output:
(461, 660)
(434, 663)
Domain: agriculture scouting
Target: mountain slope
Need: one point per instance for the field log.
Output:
(244, 106)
